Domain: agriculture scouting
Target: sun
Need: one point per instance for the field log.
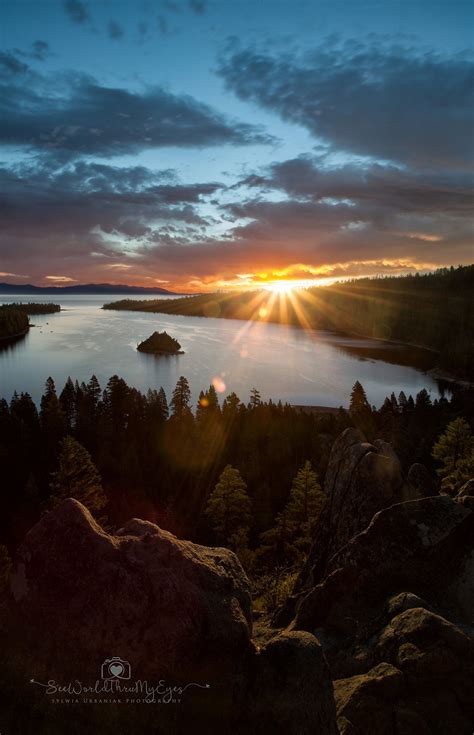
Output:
(280, 287)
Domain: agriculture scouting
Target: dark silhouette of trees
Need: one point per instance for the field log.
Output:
(163, 467)
(360, 410)
(229, 509)
(77, 477)
(13, 322)
(181, 398)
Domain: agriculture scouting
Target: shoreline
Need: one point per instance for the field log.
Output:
(16, 336)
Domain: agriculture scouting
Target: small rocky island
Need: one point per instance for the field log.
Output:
(160, 343)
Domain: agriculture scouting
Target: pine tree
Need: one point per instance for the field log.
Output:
(358, 402)
(163, 404)
(277, 547)
(68, 403)
(304, 505)
(402, 401)
(94, 391)
(455, 450)
(360, 410)
(52, 419)
(181, 398)
(77, 477)
(255, 398)
(231, 405)
(422, 400)
(208, 404)
(229, 508)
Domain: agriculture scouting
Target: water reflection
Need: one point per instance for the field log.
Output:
(283, 362)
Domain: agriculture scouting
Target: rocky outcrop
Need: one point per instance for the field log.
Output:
(171, 610)
(361, 479)
(388, 590)
(140, 592)
(424, 546)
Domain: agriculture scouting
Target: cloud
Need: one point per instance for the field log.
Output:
(77, 11)
(197, 6)
(6, 274)
(115, 30)
(41, 50)
(86, 211)
(10, 66)
(83, 117)
(391, 103)
(372, 188)
(94, 218)
(60, 279)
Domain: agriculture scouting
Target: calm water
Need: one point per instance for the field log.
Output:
(283, 362)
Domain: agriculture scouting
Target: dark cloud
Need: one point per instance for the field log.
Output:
(40, 50)
(379, 188)
(89, 207)
(82, 117)
(115, 30)
(10, 65)
(341, 222)
(162, 24)
(197, 6)
(77, 11)
(390, 103)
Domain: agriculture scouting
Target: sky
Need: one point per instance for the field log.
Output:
(201, 145)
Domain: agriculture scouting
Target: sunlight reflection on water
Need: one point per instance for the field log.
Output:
(283, 362)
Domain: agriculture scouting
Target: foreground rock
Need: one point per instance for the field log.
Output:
(361, 479)
(424, 682)
(170, 609)
(388, 590)
(424, 546)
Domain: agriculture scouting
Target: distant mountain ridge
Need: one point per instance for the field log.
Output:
(87, 288)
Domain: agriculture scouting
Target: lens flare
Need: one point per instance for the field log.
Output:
(218, 384)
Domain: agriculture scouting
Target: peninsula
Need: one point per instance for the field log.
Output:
(14, 320)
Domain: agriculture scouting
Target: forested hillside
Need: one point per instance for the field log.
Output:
(13, 322)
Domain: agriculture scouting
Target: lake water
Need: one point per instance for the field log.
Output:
(283, 362)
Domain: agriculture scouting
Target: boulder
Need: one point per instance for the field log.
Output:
(172, 611)
(290, 690)
(423, 681)
(169, 606)
(365, 702)
(404, 601)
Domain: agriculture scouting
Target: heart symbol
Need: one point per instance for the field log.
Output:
(116, 669)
